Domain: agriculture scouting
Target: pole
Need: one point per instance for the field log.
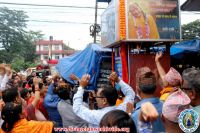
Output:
(95, 21)
(50, 47)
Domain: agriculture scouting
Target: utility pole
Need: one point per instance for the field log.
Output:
(95, 21)
(50, 47)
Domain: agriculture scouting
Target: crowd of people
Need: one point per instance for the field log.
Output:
(52, 104)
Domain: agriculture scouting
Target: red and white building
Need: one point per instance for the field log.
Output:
(53, 49)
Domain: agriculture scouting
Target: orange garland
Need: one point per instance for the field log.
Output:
(122, 20)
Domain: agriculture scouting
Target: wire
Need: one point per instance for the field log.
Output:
(186, 12)
(52, 21)
(25, 4)
(61, 12)
(48, 10)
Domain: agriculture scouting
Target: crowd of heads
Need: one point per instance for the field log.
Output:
(21, 90)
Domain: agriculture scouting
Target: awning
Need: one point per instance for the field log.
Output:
(191, 5)
(185, 48)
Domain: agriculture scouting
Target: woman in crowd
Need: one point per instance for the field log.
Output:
(15, 122)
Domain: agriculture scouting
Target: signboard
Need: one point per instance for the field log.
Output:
(118, 66)
(118, 62)
(109, 26)
(156, 20)
(105, 71)
(140, 20)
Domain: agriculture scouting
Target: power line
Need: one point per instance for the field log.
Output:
(52, 21)
(47, 10)
(25, 4)
(186, 12)
(40, 8)
(60, 12)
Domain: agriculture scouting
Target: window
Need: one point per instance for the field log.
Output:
(56, 47)
(45, 57)
(57, 57)
(46, 48)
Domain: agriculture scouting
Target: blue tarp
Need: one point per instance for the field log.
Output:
(84, 62)
(103, 0)
(187, 47)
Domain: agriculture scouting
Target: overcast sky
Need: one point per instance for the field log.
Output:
(69, 24)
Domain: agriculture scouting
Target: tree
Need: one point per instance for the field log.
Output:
(16, 42)
(12, 24)
(29, 44)
(67, 47)
(19, 63)
(191, 30)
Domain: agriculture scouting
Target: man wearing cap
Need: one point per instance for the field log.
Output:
(191, 86)
(170, 81)
(172, 107)
(145, 87)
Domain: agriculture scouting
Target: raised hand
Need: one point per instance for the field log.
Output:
(114, 77)
(74, 77)
(158, 56)
(36, 80)
(148, 112)
(84, 80)
(8, 70)
(1, 104)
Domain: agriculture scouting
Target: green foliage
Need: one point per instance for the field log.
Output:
(18, 45)
(12, 24)
(191, 30)
(19, 64)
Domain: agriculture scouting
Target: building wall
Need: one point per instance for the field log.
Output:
(58, 55)
(44, 47)
(57, 47)
(43, 56)
(37, 48)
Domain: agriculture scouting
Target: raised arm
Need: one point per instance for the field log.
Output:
(125, 88)
(161, 71)
(6, 77)
(37, 91)
(91, 116)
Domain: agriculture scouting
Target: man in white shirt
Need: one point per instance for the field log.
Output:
(106, 98)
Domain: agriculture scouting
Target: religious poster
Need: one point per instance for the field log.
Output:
(152, 20)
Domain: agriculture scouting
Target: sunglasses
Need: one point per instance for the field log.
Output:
(99, 97)
(186, 89)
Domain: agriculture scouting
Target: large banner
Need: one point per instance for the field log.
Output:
(152, 20)
(140, 20)
(109, 25)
